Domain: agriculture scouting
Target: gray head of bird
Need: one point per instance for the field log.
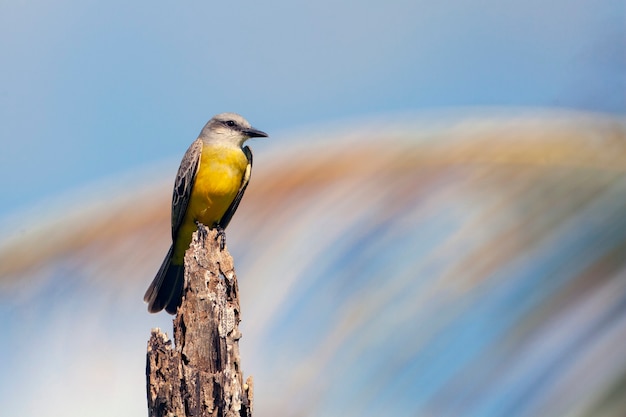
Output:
(229, 128)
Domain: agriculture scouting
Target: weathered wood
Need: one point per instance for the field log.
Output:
(201, 374)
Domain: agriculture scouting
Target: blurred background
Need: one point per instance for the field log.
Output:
(435, 227)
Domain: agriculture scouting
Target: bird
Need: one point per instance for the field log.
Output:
(211, 180)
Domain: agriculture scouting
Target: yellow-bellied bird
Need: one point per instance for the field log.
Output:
(210, 183)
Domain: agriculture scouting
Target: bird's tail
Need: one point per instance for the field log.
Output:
(166, 288)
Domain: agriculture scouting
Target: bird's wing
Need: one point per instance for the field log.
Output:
(242, 189)
(185, 179)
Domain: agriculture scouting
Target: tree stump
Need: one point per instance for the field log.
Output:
(200, 375)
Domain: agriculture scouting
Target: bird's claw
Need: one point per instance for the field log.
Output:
(221, 236)
(202, 231)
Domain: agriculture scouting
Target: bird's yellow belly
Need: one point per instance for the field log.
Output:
(216, 184)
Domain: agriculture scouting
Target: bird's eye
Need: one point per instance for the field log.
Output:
(230, 123)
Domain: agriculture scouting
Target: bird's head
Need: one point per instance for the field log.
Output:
(229, 128)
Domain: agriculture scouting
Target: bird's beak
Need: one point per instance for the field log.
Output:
(253, 133)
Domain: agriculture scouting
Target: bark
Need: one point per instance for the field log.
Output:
(200, 375)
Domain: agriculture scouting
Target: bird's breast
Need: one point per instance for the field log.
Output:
(217, 182)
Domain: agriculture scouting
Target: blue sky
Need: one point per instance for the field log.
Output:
(92, 89)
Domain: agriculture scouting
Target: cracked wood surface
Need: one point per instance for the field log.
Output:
(200, 373)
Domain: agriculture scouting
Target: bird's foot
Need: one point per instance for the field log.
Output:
(221, 236)
(202, 232)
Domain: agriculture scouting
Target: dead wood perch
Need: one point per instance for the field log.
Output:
(201, 374)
